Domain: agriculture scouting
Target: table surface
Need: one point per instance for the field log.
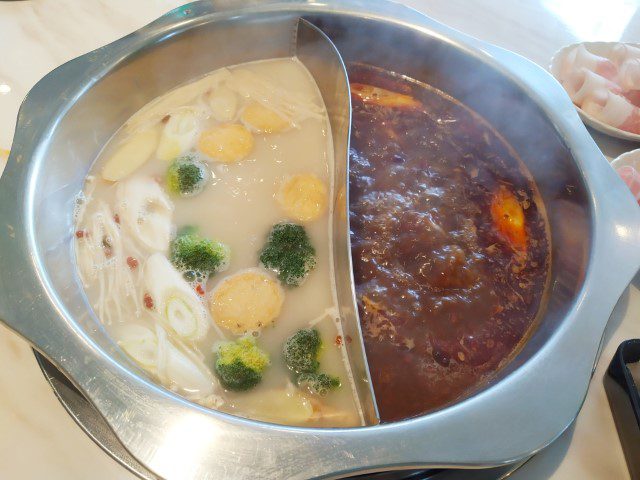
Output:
(37, 437)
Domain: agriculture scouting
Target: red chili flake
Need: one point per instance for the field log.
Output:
(349, 339)
(132, 262)
(200, 290)
(116, 218)
(165, 119)
(148, 301)
(339, 340)
(108, 252)
(81, 234)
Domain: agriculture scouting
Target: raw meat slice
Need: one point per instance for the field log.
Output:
(583, 83)
(580, 57)
(622, 52)
(633, 96)
(629, 75)
(617, 111)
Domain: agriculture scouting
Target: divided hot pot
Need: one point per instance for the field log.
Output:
(68, 116)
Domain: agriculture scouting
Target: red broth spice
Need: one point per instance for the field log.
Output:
(450, 243)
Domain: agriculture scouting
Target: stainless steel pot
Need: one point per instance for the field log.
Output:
(72, 112)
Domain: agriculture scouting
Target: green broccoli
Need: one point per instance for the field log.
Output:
(300, 351)
(191, 252)
(289, 253)
(300, 354)
(318, 383)
(186, 176)
(240, 364)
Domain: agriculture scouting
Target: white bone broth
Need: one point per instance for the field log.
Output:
(203, 240)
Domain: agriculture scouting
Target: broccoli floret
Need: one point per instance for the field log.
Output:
(300, 354)
(191, 252)
(289, 253)
(318, 383)
(240, 364)
(300, 351)
(186, 176)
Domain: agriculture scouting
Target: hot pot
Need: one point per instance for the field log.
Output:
(73, 111)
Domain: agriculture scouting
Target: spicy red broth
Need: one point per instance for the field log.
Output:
(449, 238)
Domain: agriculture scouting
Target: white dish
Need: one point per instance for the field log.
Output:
(631, 158)
(603, 49)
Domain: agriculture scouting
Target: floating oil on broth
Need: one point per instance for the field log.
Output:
(254, 149)
(449, 239)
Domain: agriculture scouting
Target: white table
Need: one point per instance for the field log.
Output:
(37, 437)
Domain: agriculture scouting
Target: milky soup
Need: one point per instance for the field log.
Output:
(203, 239)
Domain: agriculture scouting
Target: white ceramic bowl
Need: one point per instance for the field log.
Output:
(598, 48)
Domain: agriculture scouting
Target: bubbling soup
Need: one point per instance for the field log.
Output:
(203, 239)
